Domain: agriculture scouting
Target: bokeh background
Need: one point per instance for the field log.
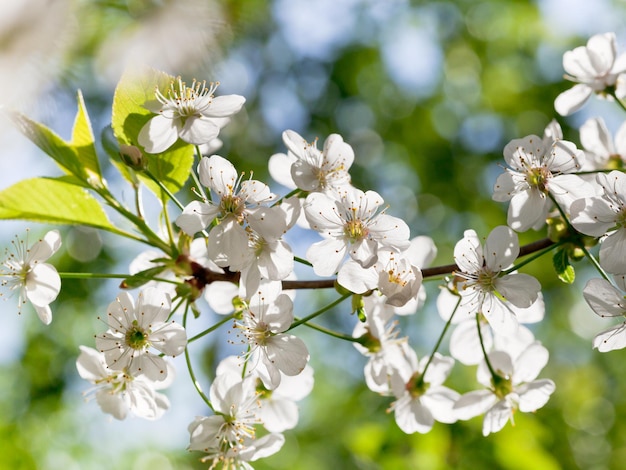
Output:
(427, 93)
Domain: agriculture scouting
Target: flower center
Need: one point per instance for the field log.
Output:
(502, 385)
(355, 230)
(538, 178)
(231, 204)
(416, 386)
(137, 337)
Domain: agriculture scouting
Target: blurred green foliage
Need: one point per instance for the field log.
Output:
(431, 151)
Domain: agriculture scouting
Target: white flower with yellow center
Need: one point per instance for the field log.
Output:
(484, 287)
(24, 270)
(192, 114)
(351, 224)
(133, 330)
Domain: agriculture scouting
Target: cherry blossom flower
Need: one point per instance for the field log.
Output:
(594, 67)
(272, 351)
(351, 224)
(421, 399)
(229, 437)
(134, 329)
(605, 215)
(117, 392)
(25, 270)
(465, 342)
(278, 409)
(608, 301)
(392, 274)
(537, 171)
(602, 150)
(513, 387)
(310, 169)
(483, 286)
(191, 113)
(379, 341)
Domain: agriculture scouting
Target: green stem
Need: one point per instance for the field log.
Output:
(532, 258)
(617, 100)
(287, 196)
(203, 193)
(302, 261)
(165, 190)
(332, 333)
(213, 328)
(595, 263)
(192, 375)
(482, 346)
(319, 312)
(93, 276)
(441, 336)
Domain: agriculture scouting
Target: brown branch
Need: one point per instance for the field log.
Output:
(210, 276)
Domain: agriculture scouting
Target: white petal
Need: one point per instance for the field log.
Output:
(529, 363)
(501, 248)
(326, 256)
(474, 403)
(170, 338)
(604, 299)
(153, 306)
(217, 173)
(288, 353)
(159, 134)
(199, 130)
(595, 137)
(43, 284)
(612, 339)
(44, 248)
(497, 417)
(196, 217)
(468, 253)
(225, 106)
(534, 395)
(526, 209)
(613, 252)
(573, 99)
(519, 289)
(279, 166)
(411, 416)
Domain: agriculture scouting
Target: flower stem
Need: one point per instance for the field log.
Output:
(209, 330)
(319, 312)
(482, 346)
(441, 336)
(192, 375)
(595, 263)
(332, 333)
(165, 190)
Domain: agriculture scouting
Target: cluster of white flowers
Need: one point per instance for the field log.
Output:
(232, 249)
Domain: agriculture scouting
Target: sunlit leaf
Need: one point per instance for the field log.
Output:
(51, 200)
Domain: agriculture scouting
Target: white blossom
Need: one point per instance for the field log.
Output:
(535, 172)
(605, 215)
(26, 271)
(513, 388)
(594, 68)
(607, 300)
(308, 168)
(118, 393)
(351, 225)
(191, 113)
(421, 399)
(483, 286)
(134, 329)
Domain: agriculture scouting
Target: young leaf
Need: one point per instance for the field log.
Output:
(83, 140)
(564, 270)
(52, 200)
(141, 278)
(133, 94)
(53, 145)
(78, 157)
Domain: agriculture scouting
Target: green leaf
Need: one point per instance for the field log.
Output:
(83, 140)
(564, 270)
(77, 157)
(135, 89)
(53, 145)
(141, 278)
(55, 201)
